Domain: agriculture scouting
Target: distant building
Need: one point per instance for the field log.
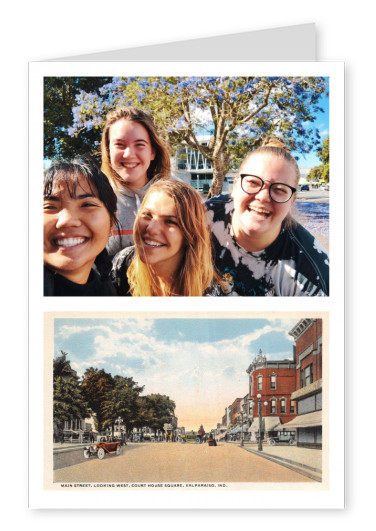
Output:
(192, 167)
(308, 395)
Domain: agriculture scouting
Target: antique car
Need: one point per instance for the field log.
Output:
(106, 445)
(280, 437)
(190, 439)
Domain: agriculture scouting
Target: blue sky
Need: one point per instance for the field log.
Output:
(199, 363)
(310, 160)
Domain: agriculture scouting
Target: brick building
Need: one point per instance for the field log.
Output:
(308, 394)
(274, 380)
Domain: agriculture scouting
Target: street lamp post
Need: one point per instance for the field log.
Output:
(259, 405)
(242, 432)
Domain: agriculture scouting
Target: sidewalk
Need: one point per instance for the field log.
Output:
(67, 446)
(306, 461)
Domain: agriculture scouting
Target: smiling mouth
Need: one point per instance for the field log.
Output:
(130, 165)
(152, 243)
(69, 242)
(259, 211)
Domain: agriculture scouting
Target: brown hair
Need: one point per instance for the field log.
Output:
(159, 168)
(196, 272)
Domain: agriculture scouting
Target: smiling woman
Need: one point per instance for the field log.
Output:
(79, 211)
(172, 253)
(259, 248)
(134, 157)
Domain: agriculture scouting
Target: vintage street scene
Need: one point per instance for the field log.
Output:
(193, 401)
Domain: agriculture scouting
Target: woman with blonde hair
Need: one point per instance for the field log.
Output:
(172, 253)
(259, 248)
(134, 156)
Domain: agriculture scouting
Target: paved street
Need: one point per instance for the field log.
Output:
(311, 209)
(174, 462)
(314, 195)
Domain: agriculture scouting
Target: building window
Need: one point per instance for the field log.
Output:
(273, 405)
(283, 405)
(292, 407)
(251, 385)
(306, 376)
(273, 381)
(259, 382)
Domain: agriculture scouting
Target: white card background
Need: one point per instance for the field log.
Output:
(333, 497)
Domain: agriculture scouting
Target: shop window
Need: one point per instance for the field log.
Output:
(283, 405)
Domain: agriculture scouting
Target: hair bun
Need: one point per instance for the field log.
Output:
(273, 141)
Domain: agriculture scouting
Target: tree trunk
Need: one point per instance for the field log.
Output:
(220, 168)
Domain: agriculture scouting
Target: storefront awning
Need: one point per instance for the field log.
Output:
(268, 424)
(305, 421)
(280, 427)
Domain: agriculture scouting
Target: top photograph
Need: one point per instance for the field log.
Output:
(186, 186)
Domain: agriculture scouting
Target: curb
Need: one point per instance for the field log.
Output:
(305, 470)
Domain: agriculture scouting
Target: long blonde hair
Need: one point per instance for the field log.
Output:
(196, 272)
(160, 167)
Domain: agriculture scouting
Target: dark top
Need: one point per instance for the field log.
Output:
(122, 260)
(56, 285)
(295, 264)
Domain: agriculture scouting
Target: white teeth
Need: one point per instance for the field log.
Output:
(153, 244)
(259, 210)
(129, 165)
(69, 242)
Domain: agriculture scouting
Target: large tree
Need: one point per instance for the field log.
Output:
(68, 401)
(160, 410)
(95, 386)
(121, 403)
(59, 98)
(237, 112)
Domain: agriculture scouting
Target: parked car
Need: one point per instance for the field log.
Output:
(106, 445)
(190, 439)
(304, 187)
(280, 437)
(325, 187)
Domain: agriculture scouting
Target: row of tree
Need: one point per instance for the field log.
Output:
(108, 398)
(321, 173)
(235, 112)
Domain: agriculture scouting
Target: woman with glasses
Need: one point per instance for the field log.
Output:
(259, 248)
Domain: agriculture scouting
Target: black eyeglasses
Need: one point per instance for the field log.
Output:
(279, 192)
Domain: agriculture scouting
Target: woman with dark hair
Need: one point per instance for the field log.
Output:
(259, 248)
(172, 253)
(134, 156)
(79, 212)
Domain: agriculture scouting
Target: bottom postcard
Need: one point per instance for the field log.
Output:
(186, 402)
